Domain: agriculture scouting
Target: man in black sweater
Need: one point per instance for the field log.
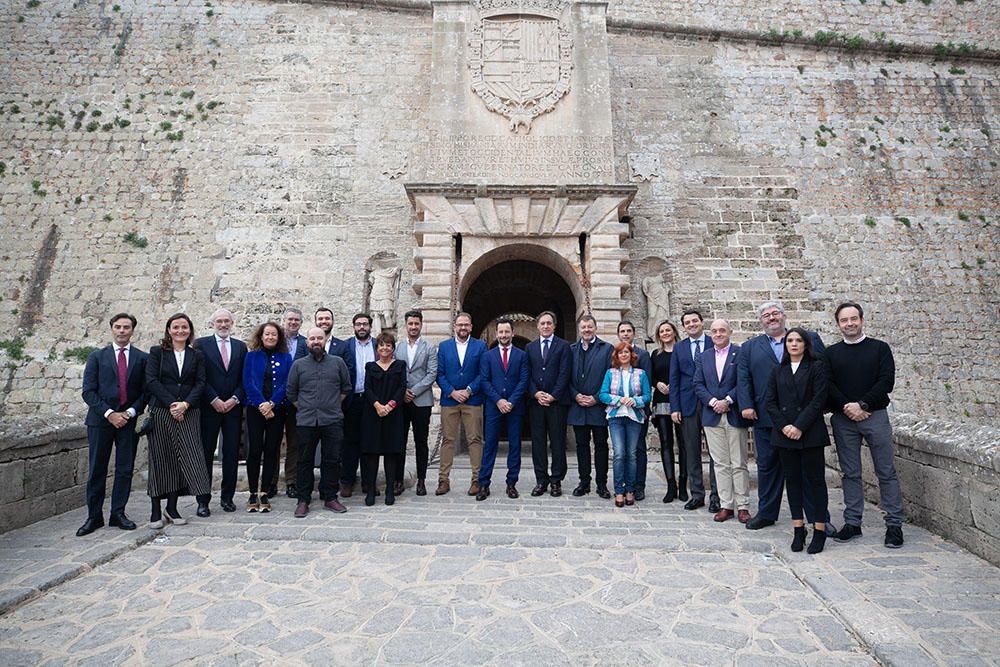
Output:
(862, 374)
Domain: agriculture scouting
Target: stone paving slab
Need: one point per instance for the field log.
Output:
(447, 580)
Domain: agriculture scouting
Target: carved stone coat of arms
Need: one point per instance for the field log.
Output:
(521, 65)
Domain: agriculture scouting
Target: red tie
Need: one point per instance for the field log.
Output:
(504, 351)
(122, 377)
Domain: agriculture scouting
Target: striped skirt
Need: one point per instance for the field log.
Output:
(176, 459)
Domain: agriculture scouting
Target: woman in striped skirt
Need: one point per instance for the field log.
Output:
(175, 380)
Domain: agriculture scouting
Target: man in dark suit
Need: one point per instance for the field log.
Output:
(725, 430)
(626, 334)
(461, 401)
(759, 356)
(590, 358)
(549, 360)
(298, 348)
(113, 381)
(356, 352)
(323, 318)
(685, 409)
(503, 373)
(222, 405)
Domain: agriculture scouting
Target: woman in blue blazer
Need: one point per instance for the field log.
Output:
(795, 399)
(626, 392)
(265, 378)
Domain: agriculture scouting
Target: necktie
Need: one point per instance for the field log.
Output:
(504, 351)
(545, 349)
(224, 351)
(122, 375)
(697, 348)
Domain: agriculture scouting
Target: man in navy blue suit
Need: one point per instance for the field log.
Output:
(298, 348)
(222, 405)
(323, 318)
(356, 352)
(685, 409)
(113, 382)
(758, 359)
(461, 401)
(725, 430)
(549, 360)
(503, 373)
(590, 358)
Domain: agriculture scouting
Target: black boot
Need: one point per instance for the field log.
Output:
(682, 488)
(799, 540)
(671, 491)
(818, 541)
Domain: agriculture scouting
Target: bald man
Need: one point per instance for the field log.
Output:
(222, 404)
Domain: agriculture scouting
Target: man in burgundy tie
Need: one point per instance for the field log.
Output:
(113, 390)
(222, 405)
(503, 373)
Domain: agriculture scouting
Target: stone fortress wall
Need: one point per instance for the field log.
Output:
(252, 154)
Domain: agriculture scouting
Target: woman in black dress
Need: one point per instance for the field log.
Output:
(666, 337)
(175, 380)
(796, 396)
(383, 431)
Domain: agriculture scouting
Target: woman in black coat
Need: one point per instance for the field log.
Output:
(175, 380)
(383, 430)
(796, 395)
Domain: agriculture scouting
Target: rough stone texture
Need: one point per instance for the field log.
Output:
(202, 593)
(949, 476)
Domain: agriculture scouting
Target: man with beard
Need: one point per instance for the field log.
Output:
(323, 318)
(356, 352)
(421, 373)
(758, 358)
(317, 385)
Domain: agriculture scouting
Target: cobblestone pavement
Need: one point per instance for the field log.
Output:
(447, 580)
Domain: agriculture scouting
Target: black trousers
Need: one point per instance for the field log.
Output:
(582, 435)
(100, 440)
(548, 431)
(331, 439)
(691, 430)
(351, 454)
(666, 429)
(418, 418)
(369, 471)
(229, 424)
(263, 440)
(805, 470)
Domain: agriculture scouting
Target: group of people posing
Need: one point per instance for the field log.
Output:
(357, 400)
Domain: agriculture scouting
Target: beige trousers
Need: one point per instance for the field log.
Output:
(728, 446)
(454, 417)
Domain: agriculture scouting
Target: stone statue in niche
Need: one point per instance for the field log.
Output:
(384, 285)
(657, 302)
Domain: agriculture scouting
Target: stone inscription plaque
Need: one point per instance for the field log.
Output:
(520, 158)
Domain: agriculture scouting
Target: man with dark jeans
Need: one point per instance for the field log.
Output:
(421, 373)
(862, 374)
(589, 361)
(317, 385)
(685, 409)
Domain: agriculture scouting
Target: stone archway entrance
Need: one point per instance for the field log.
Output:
(560, 246)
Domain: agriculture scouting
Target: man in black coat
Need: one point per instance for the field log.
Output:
(549, 359)
(113, 388)
(590, 360)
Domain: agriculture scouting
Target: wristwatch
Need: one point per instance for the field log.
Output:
(863, 405)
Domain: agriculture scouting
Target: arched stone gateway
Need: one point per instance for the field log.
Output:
(502, 249)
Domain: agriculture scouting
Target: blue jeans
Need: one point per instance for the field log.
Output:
(624, 442)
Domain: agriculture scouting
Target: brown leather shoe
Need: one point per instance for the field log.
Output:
(443, 487)
(724, 515)
(335, 505)
(474, 489)
(345, 491)
(301, 510)
(743, 516)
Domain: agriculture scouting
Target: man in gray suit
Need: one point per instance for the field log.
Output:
(421, 372)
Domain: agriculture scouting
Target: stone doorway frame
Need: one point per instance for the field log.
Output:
(577, 230)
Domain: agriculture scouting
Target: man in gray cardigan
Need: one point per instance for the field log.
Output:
(421, 372)
(317, 385)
